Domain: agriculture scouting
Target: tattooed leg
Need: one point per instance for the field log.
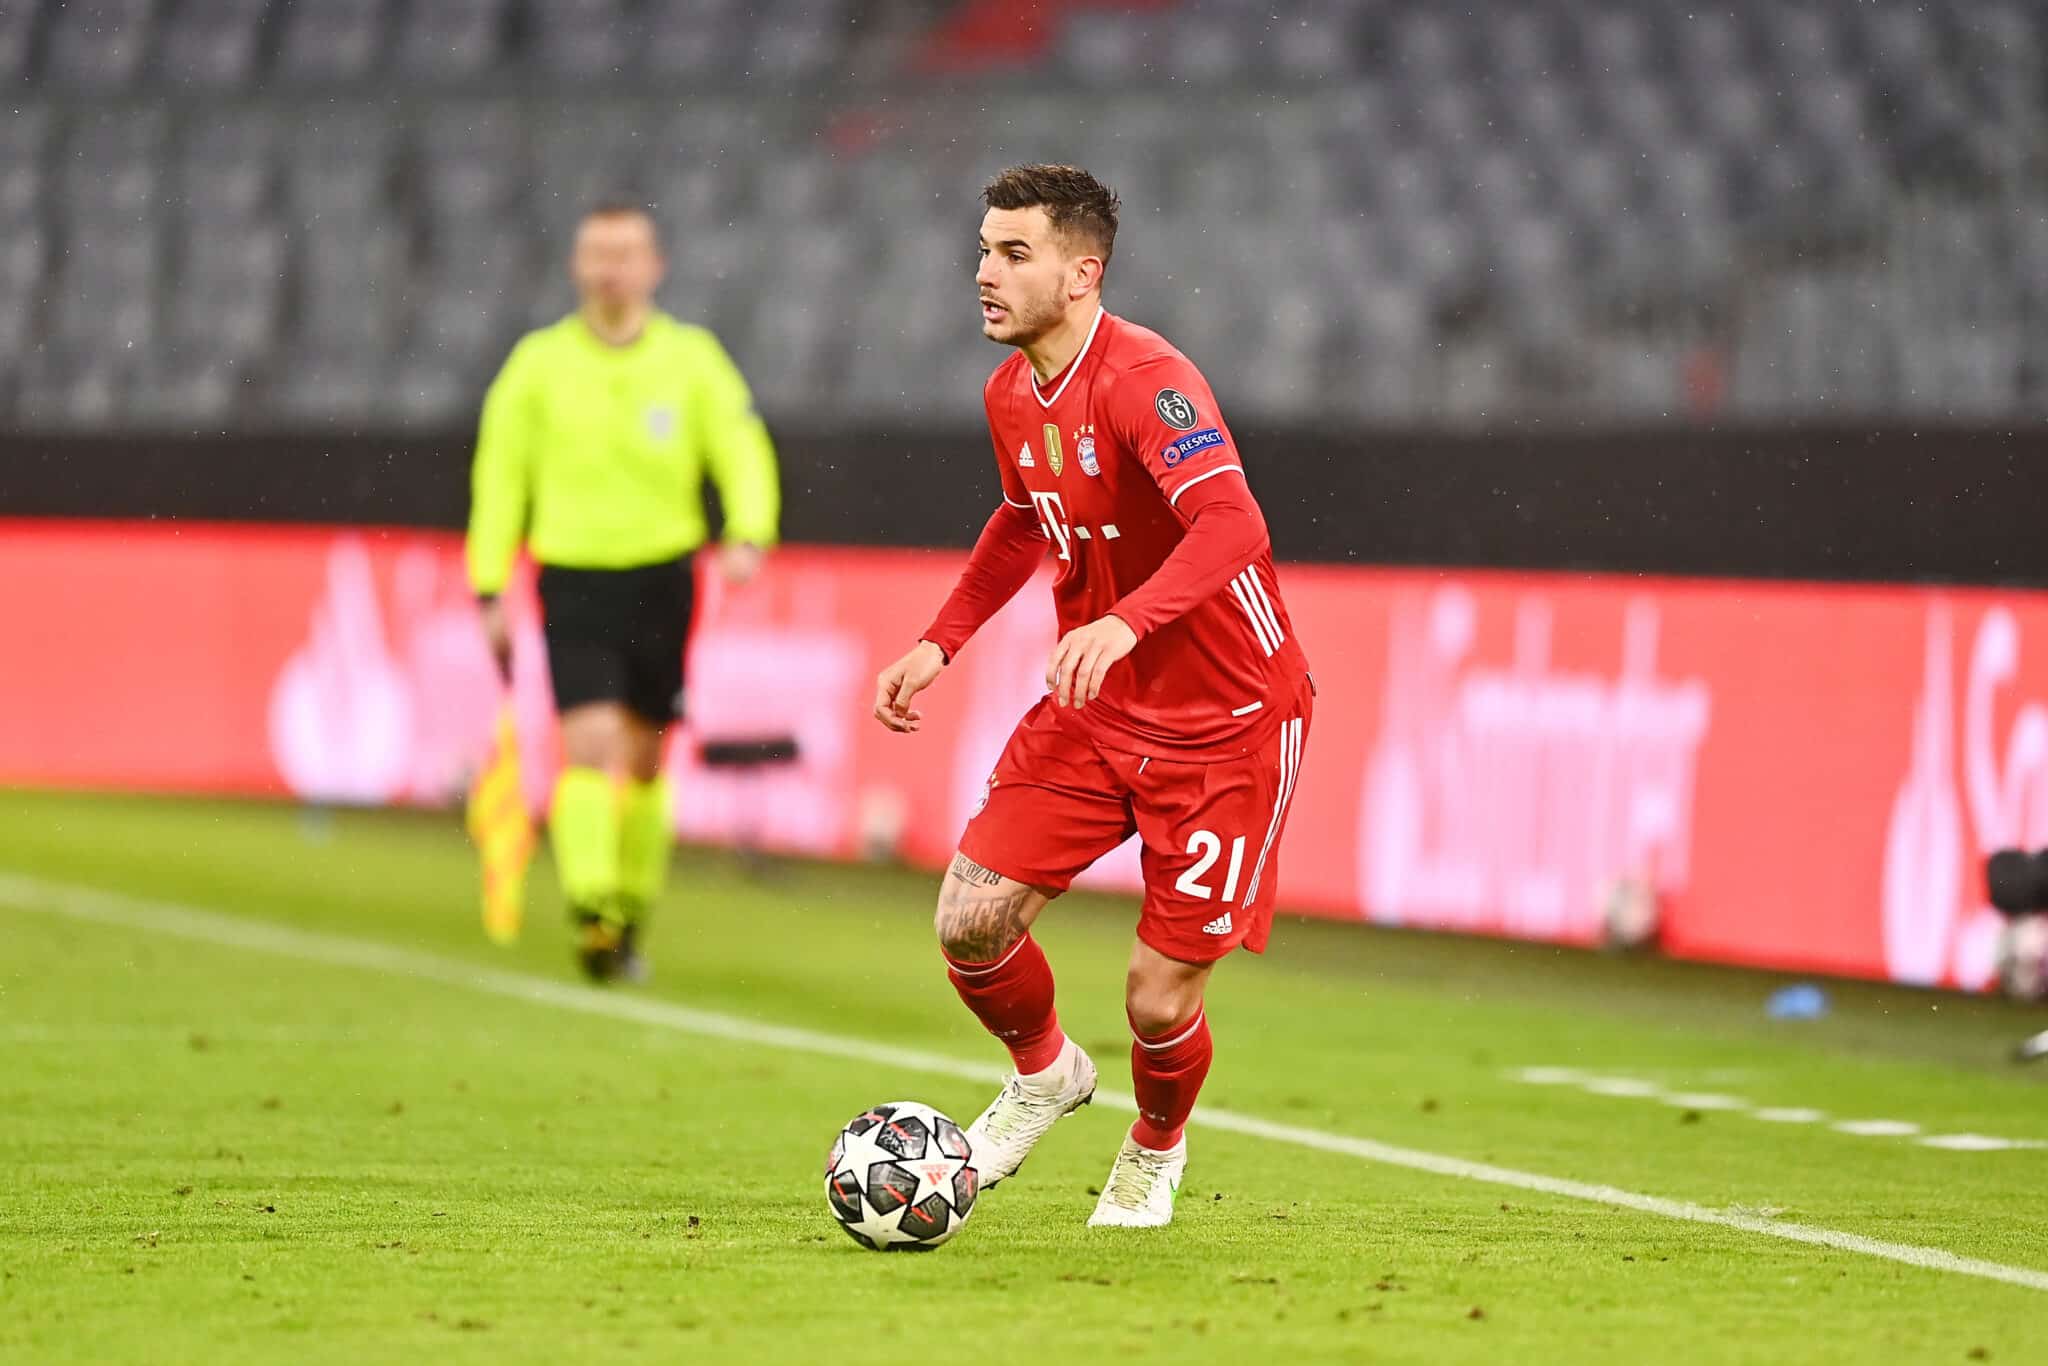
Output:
(984, 925)
(981, 913)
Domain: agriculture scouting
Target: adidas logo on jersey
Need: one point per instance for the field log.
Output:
(1024, 460)
(1220, 925)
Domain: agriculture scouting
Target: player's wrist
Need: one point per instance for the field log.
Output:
(945, 655)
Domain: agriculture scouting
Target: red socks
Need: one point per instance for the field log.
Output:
(1167, 1072)
(1012, 997)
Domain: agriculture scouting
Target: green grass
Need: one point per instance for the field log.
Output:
(215, 1154)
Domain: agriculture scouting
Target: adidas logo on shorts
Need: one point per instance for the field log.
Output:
(1220, 925)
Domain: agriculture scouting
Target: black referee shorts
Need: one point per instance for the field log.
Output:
(618, 635)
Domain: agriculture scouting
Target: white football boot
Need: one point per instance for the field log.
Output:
(1027, 1107)
(1141, 1186)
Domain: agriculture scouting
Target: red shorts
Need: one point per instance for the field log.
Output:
(1211, 831)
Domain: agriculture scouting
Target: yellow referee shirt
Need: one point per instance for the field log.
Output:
(595, 455)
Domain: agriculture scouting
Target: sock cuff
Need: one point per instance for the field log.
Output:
(985, 969)
(1177, 1037)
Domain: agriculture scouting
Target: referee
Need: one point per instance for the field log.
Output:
(592, 449)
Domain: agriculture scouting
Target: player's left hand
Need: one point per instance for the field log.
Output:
(740, 562)
(1083, 657)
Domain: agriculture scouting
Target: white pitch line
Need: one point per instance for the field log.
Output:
(1633, 1088)
(1877, 1128)
(186, 922)
(1978, 1143)
(1789, 1114)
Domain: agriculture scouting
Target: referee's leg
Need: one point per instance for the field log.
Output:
(646, 832)
(615, 645)
(583, 818)
(611, 830)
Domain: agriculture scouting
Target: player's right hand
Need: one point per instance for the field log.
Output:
(498, 634)
(903, 680)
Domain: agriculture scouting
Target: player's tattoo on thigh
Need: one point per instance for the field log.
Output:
(972, 873)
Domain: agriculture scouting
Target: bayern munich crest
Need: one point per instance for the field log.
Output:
(1084, 449)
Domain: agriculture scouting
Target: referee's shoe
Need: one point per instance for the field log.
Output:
(609, 949)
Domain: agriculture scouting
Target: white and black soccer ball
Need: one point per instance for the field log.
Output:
(901, 1177)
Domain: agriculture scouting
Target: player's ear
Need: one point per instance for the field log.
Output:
(1084, 275)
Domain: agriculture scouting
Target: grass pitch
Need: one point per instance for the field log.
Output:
(223, 1152)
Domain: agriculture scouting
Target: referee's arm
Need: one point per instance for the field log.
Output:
(737, 451)
(499, 484)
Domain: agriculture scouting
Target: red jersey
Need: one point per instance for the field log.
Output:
(1116, 458)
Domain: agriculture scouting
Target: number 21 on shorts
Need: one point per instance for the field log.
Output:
(1206, 846)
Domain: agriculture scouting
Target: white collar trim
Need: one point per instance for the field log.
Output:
(1073, 366)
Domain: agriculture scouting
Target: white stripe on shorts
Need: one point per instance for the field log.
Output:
(1290, 767)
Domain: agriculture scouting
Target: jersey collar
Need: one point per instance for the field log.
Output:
(1073, 366)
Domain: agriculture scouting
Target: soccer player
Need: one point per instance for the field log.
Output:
(593, 447)
(1178, 698)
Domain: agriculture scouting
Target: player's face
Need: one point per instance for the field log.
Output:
(616, 262)
(1023, 277)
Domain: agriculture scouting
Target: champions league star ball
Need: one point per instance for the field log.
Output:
(901, 1177)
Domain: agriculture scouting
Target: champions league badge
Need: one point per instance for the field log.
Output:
(1175, 409)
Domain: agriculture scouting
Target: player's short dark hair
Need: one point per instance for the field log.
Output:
(1080, 206)
(620, 206)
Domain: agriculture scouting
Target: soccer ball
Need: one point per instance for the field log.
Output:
(901, 1176)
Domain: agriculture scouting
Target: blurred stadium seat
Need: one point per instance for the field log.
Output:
(1352, 211)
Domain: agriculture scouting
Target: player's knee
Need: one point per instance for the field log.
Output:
(1158, 1005)
(594, 736)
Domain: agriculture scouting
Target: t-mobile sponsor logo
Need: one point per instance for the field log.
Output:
(1505, 799)
(341, 712)
(391, 695)
(1936, 925)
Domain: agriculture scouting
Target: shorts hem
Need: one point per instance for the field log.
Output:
(1178, 952)
(660, 716)
(997, 863)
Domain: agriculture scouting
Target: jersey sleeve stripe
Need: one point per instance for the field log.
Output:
(1173, 500)
(1257, 588)
(1251, 610)
(1014, 503)
(1290, 766)
(1251, 613)
(1255, 600)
